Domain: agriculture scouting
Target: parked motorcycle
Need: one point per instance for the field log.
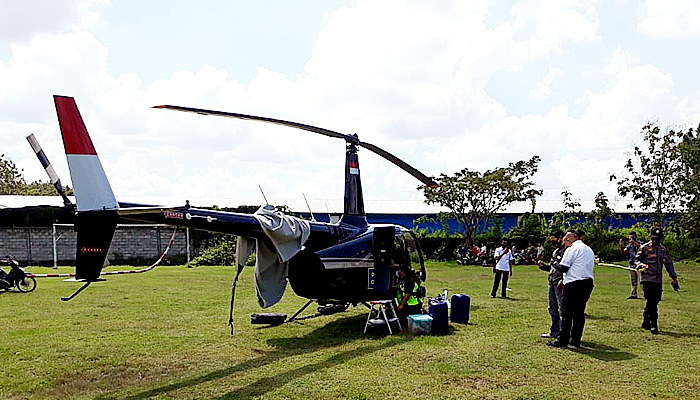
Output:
(17, 277)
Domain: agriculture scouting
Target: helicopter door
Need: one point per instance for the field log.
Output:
(407, 252)
(384, 249)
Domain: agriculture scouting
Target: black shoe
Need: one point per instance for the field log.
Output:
(646, 325)
(654, 330)
(556, 343)
(575, 344)
(632, 297)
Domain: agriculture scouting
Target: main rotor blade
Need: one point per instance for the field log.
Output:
(297, 125)
(401, 164)
(348, 138)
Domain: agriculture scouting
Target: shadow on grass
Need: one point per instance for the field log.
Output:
(330, 335)
(679, 334)
(267, 384)
(603, 352)
(4, 291)
(604, 318)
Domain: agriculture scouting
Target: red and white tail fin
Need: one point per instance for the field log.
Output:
(97, 207)
(92, 189)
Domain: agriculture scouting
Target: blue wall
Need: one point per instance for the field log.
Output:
(509, 221)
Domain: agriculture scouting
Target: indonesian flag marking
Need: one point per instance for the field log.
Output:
(354, 168)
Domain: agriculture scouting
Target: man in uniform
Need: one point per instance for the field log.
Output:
(556, 288)
(407, 294)
(577, 266)
(652, 258)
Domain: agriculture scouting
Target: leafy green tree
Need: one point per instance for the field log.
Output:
(656, 174)
(531, 228)
(597, 233)
(11, 179)
(602, 210)
(566, 218)
(473, 198)
(12, 182)
(689, 150)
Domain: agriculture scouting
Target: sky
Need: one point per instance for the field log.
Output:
(443, 85)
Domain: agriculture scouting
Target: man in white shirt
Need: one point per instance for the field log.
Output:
(503, 269)
(577, 265)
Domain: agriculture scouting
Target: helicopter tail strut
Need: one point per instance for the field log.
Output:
(97, 207)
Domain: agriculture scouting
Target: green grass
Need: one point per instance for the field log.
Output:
(164, 335)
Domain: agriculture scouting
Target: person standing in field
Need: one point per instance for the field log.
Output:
(630, 250)
(652, 258)
(503, 258)
(554, 280)
(577, 265)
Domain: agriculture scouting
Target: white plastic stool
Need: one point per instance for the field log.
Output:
(385, 310)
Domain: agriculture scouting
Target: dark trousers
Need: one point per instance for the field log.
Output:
(652, 294)
(498, 277)
(576, 295)
(406, 311)
(555, 303)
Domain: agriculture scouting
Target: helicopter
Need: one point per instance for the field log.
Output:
(333, 264)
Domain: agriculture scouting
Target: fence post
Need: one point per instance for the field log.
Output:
(55, 252)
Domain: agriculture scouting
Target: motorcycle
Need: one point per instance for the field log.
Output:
(17, 277)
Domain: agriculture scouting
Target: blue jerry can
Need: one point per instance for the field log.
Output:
(438, 310)
(460, 309)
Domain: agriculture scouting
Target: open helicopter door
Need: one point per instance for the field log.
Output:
(384, 248)
(97, 207)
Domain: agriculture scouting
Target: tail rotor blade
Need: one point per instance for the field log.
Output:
(53, 176)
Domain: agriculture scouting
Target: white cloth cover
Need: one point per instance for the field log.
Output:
(288, 235)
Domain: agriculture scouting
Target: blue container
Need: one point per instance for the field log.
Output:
(438, 310)
(460, 309)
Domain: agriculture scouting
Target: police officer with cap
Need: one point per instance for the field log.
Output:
(651, 259)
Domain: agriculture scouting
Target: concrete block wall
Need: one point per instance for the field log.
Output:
(34, 245)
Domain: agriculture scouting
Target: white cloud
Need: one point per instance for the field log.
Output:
(669, 18)
(22, 20)
(575, 173)
(549, 24)
(409, 77)
(542, 89)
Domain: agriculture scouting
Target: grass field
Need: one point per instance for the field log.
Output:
(164, 335)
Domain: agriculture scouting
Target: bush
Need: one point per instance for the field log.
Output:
(222, 252)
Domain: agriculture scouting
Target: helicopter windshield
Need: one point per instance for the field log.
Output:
(408, 251)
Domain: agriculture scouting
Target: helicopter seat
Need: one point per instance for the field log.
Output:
(382, 312)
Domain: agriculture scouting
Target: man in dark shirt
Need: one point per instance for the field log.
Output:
(577, 264)
(652, 258)
(556, 288)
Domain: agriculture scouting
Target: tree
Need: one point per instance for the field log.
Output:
(12, 182)
(567, 218)
(597, 234)
(689, 150)
(656, 174)
(11, 179)
(473, 198)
